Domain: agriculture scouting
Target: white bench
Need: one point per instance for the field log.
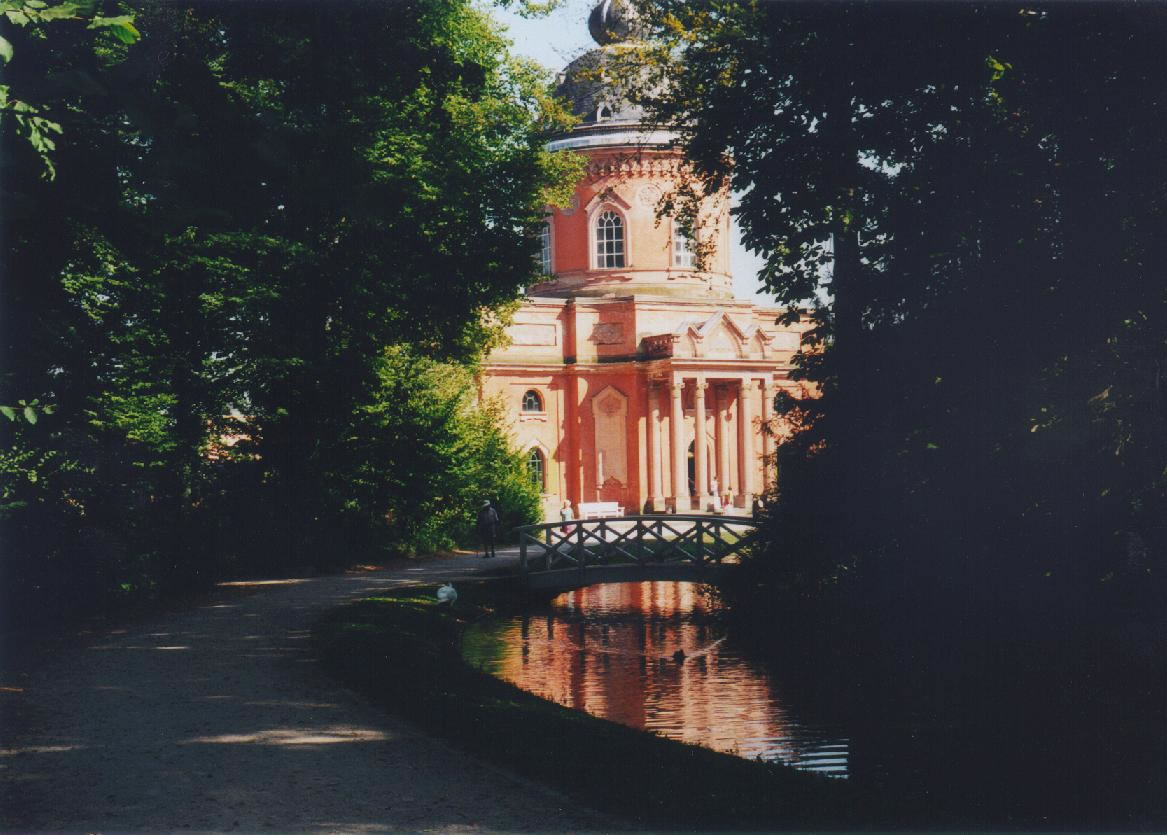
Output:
(598, 510)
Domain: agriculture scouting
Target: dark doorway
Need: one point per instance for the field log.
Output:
(692, 469)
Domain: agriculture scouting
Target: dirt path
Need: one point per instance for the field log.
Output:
(217, 718)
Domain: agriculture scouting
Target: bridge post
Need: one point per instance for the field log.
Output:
(580, 551)
(700, 549)
(639, 541)
(603, 541)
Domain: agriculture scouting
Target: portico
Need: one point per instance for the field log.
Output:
(710, 423)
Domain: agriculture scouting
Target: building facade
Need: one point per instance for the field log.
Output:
(632, 376)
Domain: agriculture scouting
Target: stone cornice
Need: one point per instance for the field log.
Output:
(628, 166)
(636, 137)
(742, 366)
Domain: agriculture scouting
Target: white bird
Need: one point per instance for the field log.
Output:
(447, 594)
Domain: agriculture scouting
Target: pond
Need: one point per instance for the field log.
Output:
(657, 656)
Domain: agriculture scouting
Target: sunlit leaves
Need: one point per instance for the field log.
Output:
(31, 119)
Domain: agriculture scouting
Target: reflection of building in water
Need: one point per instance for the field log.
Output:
(619, 664)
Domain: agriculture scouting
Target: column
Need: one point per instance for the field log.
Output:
(700, 449)
(680, 469)
(745, 442)
(655, 465)
(572, 427)
(722, 438)
(769, 390)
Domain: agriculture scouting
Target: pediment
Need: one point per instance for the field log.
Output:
(610, 196)
(718, 337)
(722, 342)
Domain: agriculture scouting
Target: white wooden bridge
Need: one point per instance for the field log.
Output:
(558, 556)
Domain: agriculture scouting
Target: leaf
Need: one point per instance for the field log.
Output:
(8, 412)
(30, 414)
(5, 50)
(122, 27)
(59, 12)
(126, 33)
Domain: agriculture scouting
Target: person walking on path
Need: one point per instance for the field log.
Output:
(487, 528)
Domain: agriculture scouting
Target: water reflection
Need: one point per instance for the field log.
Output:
(654, 656)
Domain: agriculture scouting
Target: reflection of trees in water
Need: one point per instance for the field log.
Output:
(652, 656)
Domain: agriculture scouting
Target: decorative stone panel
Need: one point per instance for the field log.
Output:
(532, 334)
(610, 413)
(608, 333)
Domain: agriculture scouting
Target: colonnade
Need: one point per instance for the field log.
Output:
(745, 391)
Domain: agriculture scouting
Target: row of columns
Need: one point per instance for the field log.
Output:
(746, 391)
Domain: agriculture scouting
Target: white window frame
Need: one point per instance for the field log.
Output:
(609, 200)
(538, 449)
(618, 242)
(547, 248)
(594, 237)
(680, 256)
(539, 396)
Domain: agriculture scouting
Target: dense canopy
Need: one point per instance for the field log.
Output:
(249, 208)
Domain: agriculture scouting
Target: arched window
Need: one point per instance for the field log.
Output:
(535, 468)
(609, 240)
(603, 113)
(532, 402)
(545, 249)
(684, 254)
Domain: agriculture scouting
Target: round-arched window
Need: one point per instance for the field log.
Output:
(609, 240)
(536, 468)
(532, 402)
(684, 254)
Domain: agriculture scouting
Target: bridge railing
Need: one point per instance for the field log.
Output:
(641, 540)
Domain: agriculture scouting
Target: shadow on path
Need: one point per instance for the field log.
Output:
(218, 718)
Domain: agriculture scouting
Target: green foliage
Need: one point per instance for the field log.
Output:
(428, 457)
(32, 15)
(248, 208)
(29, 411)
(974, 218)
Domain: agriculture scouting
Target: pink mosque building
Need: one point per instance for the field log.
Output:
(632, 376)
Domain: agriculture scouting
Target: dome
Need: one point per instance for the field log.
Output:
(613, 21)
(595, 89)
(590, 82)
(593, 97)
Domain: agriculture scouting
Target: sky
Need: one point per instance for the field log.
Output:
(556, 39)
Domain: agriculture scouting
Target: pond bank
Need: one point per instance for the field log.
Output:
(400, 649)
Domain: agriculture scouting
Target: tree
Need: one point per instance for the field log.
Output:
(426, 455)
(30, 120)
(976, 502)
(950, 170)
(248, 210)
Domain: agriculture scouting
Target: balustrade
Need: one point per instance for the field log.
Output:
(635, 540)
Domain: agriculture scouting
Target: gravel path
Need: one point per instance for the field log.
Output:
(217, 718)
